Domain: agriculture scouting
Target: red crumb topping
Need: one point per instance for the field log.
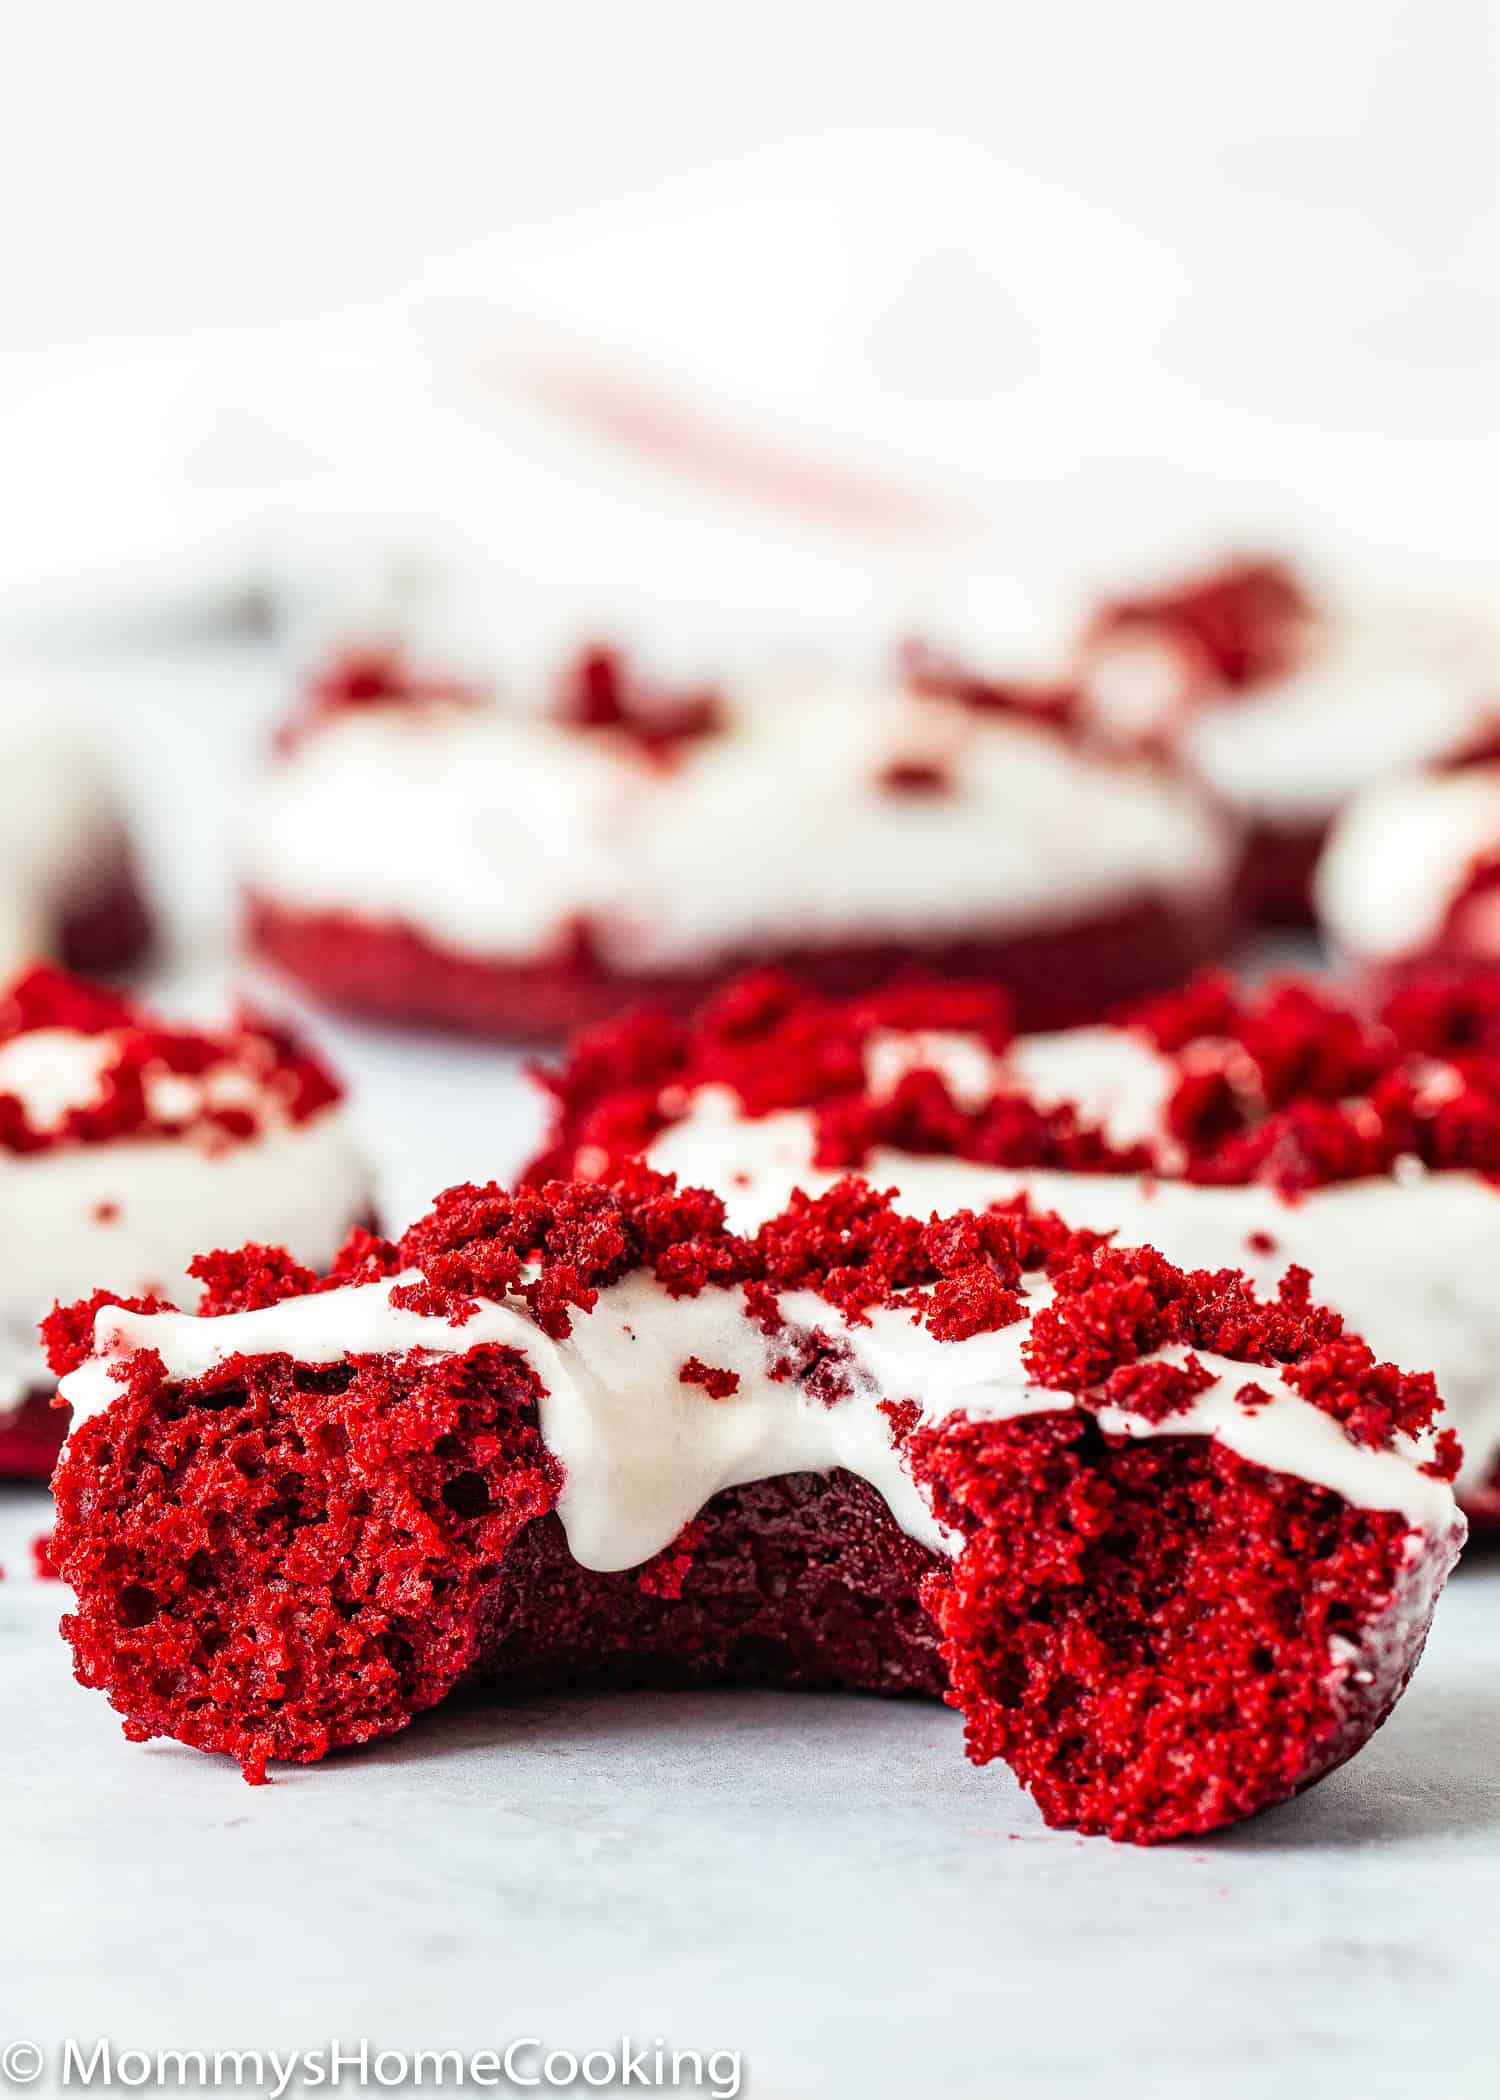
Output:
(284, 1077)
(45, 997)
(600, 691)
(1234, 627)
(363, 678)
(558, 1246)
(248, 1279)
(717, 1383)
(1295, 1086)
(41, 1558)
(68, 1330)
(934, 676)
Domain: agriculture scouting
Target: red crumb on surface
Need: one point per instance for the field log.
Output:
(718, 1383)
(249, 1278)
(1296, 1086)
(1234, 627)
(556, 1247)
(599, 690)
(974, 1301)
(267, 1071)
(41, 1558)
(278, 1559)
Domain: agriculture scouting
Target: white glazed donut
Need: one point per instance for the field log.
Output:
(127, 1148)
(439, 857)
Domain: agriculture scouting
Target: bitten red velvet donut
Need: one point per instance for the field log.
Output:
(1171, 1549)
(1295, 1125)
(126, 1146)
(425, 853)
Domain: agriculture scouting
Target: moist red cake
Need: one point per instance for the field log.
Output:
(1357, 1136)
(422, 853)
(1286, 703)
(125, 1144)
(1172, 1549)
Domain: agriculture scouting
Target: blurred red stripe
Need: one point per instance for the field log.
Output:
(671, 433)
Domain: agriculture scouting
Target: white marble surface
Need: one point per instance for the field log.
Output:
(821, 1883)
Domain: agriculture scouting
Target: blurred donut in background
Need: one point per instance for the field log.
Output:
(68, 881)
(1285, 702)
(421, 851)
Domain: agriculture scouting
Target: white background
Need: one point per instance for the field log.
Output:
(1089, 280)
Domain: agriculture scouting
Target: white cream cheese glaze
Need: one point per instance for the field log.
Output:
(1378, 690)
(642, 1453)
(494, 831)
(1409, 1260)
(1399, 857)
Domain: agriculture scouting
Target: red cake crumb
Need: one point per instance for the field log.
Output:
(1234, 627)
(664, 1574)
(44, 997)
(284, 1075)
(1295, 1086)
(773, 1043)
(600, 691)
(68, 1331)
(717, 1383)
(41, 1558)
(367, 678)
(913, 776)
(934, 676)
(278, 1559)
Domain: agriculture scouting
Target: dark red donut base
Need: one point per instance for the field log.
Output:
(1276, 873)
(1057, 976)
(105, 926)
